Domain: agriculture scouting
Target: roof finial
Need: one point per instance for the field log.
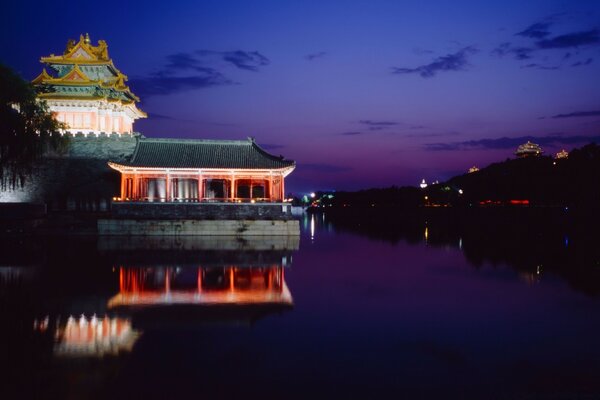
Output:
(87, 39)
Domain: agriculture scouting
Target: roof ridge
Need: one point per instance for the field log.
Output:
(191, 141)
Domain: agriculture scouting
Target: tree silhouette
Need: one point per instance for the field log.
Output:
(28, 130)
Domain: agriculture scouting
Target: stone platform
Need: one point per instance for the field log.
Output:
(196, 227)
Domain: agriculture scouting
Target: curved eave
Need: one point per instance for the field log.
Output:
(66, 61)
(123, 168)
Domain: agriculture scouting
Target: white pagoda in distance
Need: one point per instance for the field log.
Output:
(529, 149)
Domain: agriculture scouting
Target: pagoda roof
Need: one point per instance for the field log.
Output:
(203, 154)
(82, 52)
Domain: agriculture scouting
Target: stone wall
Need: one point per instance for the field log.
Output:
(204, 211)
(80, 179)
(239, 228)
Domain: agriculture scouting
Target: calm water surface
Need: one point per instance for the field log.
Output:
(345, 312)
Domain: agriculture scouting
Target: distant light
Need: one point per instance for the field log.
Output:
(426, 197)
(460, 191)
(423, 184)
(313, 195)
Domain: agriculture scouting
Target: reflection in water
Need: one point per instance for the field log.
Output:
(89, 337)
(201, 286)
(524, 239)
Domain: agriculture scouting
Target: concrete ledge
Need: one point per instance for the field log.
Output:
(202, 211)
(145, 227)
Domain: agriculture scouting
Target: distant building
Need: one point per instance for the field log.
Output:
(86, 91)
(473, 169)
(529, 149)
(562, 154)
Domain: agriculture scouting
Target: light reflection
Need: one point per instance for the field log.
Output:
(89, 336)
(201, 286)
(312, 226)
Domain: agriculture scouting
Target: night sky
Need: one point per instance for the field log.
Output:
(360, 93)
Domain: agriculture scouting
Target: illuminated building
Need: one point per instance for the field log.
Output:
(86, 91)
(562, 154)
(529, 149)
(170, 170)
(473, 169)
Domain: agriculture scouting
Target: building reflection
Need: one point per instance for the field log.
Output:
(227, 285)
(89, 336)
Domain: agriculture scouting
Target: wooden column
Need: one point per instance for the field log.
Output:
(270, 187)
(232, 194)
(200, 188)
(135, 190)
(282, 188)
(168, 187)
(123, 180)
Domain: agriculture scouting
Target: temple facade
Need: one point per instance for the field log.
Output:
(85, 90)
(172, 170)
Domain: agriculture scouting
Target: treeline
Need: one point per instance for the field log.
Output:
(533, 181)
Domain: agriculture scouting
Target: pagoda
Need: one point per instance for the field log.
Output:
(562, 154)
(528, 149)
(84, 90)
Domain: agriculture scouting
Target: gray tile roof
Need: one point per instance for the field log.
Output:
(186, 153)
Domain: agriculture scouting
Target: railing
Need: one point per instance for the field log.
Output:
(196, 200)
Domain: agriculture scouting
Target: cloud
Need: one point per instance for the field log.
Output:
(313, 56)
(160, 84)
(539, 66)
(579, 114)
(452, 62)
(377, 125)
(580, 63)
(518, 53)
(537, 31)
(509, 143)
(571, 40)
(175, 76)
(325, 168)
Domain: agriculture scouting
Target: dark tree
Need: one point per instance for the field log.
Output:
(28, 131)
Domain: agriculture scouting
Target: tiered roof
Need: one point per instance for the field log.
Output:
(529, 149)
(203, 154)
(84, 72)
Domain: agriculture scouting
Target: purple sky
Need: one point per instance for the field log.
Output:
(359, 93)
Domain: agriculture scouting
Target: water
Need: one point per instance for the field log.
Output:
(351, 310)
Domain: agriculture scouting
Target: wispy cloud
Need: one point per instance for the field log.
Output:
(246, 60)
(581, 63)
(195, 70)
(518, 53)
(537, 31)
(508, 143)
(575, 39)
(579, 114)
(313, 56)
(160, 84)
(539, 66)
(451, 62)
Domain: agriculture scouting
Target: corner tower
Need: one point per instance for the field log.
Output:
(86, 91)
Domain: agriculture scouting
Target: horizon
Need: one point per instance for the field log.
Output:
(360, 95)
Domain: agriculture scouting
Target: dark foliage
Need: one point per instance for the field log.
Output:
(27, 129)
